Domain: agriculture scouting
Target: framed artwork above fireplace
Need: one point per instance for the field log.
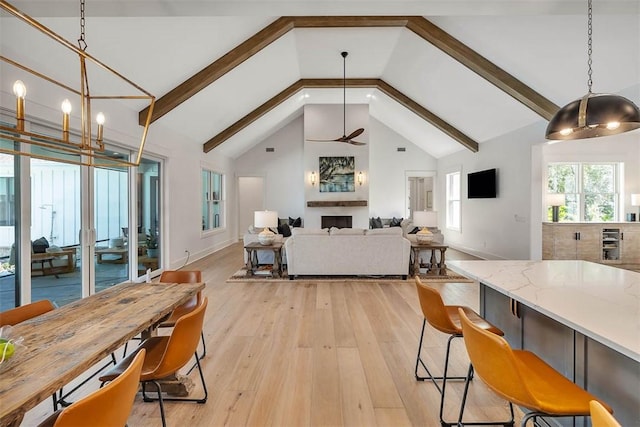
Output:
(337, 174)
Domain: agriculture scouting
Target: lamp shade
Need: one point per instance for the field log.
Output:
(425, 218)
(556, 199)
(594, 115)
(265, 219)
(635, 199)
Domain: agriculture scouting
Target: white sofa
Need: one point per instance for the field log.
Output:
(347, 251)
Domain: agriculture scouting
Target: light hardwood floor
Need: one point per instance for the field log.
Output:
(305, 353)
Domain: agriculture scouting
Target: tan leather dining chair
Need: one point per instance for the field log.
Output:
(521, 377)
(166, 355)
(183, 276)
(17, 315)
(108, 406)
(444, 318)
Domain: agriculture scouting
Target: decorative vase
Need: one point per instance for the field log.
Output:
(424, 236)
(266, 237)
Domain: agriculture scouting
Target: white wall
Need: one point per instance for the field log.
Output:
(388, 167)
(282, 170)
(510, 226)
(500, 227)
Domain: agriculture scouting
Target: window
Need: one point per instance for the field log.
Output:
(591, 190)
(453, 200)
(212, 200)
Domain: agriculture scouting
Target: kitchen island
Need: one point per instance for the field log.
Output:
(581, 317)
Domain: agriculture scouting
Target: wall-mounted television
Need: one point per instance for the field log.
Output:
(482, 184)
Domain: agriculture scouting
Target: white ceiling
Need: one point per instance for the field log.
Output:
(160, 44)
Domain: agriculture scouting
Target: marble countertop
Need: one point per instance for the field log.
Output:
(599, 301)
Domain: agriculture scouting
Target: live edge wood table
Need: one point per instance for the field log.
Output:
(64, 343)
(435, 267)
(252, 257)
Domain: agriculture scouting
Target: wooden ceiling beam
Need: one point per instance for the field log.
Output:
(379, 84)
(482, 66)
(417, 24)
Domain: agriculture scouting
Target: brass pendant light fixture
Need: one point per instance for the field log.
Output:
(595, 114)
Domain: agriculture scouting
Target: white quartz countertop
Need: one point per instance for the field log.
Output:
(599, 301)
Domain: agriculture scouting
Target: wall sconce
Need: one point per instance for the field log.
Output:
(360, 178)
(312, 178)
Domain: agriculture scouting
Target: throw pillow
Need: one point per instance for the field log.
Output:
(284, 230)
(414, 231)
(295, 222)
(40, 245)
(375, 223)
(395, 222)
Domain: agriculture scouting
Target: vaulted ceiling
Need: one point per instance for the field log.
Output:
(451, 76)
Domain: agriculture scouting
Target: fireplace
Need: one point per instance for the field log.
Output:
(336, 221)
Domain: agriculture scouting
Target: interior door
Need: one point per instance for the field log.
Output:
(250, 199)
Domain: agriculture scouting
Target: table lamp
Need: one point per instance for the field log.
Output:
(635, 201)
(555, 200)
(265, 219)
(424, 219)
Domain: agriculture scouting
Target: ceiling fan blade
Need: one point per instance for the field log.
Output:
(355, 133)
(325, 140)
(352, 142)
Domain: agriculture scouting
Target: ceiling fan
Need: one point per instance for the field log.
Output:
(344, 138)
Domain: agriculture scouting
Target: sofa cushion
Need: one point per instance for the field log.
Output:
(395, 222)
(284, 229)
(312, 231)
(334, 231)
(375, 223)
(389, 231)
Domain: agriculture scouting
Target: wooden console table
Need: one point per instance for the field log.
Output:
(435, 267)
(252, 257)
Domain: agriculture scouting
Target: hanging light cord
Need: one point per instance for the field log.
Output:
(590, 46)
(82, 44)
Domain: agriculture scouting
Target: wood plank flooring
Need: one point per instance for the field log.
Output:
(305, 353)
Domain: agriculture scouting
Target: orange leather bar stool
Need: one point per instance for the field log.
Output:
(521, 377)
(109, 406)
(166, 355)
(444, 318)
(600, 416)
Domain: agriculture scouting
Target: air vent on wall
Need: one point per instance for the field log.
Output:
(402, 149)
(270, 149)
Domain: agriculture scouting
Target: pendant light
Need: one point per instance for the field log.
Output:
(595, 114)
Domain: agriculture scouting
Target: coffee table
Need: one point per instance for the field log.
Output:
(435, 267)
(252, 257)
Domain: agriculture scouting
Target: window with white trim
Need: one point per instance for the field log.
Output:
(212, 200)
(591, 190)
(453, 200)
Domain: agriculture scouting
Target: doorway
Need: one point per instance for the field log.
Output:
(250, 199)
(420, 193)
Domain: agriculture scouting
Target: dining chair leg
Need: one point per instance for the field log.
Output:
(160, 400)
(181, 399)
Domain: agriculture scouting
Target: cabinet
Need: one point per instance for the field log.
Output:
(571, 241)
(607, 243)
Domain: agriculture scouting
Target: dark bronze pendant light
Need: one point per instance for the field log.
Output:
(595, 114)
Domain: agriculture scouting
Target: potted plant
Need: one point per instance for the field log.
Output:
(152, 244)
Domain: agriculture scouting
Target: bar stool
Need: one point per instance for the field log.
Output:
(521, 377)
(444, 318)
(600, 417)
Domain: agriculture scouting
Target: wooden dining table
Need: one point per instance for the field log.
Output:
(62, 344)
